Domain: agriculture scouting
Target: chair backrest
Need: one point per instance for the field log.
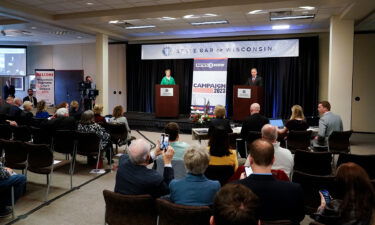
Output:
(177, 165)
(339, 141)
(5, 131)
(40, 158)
(317, 163)
(15, 154)
(36, 122)
(367, 162)
(21, 133)
(232, 140)
(172, 214)
(129, 209)
(311, 184)
(118, 132)
(219, 173)
(252, 136)
(298, 140)
(87, 143)
(40, 136)
(64, 141)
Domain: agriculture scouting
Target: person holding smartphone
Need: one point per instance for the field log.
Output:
(355, 199)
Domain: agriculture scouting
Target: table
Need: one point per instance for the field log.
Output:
(202, 133)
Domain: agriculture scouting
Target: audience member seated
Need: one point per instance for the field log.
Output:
(179, 147)
(279, 200)
(220, 153)
(355, 203)
(30, 97)
(8, 179)
(134, 178)
(41, 110)
(296, 122)
(235, 204)
(62, 105)
(194, 189)
(6, 105)
(88, 125)
(254, 122)
(15, 109)
(26, 115)
(118, 117)
(74, 110)
(98, 109)
(60, 121)
(328, 123)
(219, 120)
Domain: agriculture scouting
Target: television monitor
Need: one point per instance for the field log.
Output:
(12, 61)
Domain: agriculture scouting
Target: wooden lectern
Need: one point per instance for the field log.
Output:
(243, 97)
(167, 100)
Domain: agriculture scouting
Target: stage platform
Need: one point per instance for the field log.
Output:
(148, 121)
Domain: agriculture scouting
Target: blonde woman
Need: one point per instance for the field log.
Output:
(74, 110)
(296, 122)
(118, 117)
(219, 120)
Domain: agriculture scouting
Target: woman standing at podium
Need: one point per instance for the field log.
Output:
(168, 79)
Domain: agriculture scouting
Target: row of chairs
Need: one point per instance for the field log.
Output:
(143, 209)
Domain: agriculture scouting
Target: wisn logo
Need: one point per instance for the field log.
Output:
(167, 51)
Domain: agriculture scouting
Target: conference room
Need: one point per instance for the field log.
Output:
(188, 112)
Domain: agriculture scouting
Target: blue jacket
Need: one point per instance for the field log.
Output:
(193, 190)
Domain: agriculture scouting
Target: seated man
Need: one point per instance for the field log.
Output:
(234, 204)
(279, 200)
(194, 189)
(8, 179)
(179, 147)
(254, 122)
(60, 121)
(30, 97)
(15, 109)
(328, 123)
(134, 178)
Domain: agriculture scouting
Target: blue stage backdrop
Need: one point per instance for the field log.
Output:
(287, 81)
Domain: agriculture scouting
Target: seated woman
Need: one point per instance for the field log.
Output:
(296, 122)
(220, 153)
(41, 110)
(194, 189)
(219, 120)
(355, 203)
(118, 117)
(74, 110)
(98, 109)
(88, 125)
(8, 179)
(26, 115)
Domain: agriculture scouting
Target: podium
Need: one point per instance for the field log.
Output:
(243, 97)
(167, 100)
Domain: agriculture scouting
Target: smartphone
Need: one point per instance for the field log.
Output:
(248, 171)
(164, 141)
(326, 195)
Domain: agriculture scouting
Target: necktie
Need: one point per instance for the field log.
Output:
(253, 80)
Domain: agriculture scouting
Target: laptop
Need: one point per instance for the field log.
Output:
(277, 122)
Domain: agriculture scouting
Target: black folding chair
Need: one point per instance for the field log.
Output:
(219, 173)
(15, 154)
(298, 140)
(317, 163)
(6, 131)
(339, 142)
(367, 162)
(22, 133)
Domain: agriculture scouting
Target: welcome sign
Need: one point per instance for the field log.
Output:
(45, 86)
(233, 49)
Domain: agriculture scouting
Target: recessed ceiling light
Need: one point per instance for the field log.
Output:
(33, 28)
(307, 7)
(79, 37)
(280, 27)
(190, 16)
(89, 3)
(209, 15)
(255, 11)
(209, 22)
(113, 21)
(140, 27)
(311, 16)
(167, 18)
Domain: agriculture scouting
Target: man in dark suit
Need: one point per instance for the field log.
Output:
(8, 90)
(134, 178)
(254, 80)
(6, 106)
(279, 200)
(61, 121)
(30, 97)
(254, 122)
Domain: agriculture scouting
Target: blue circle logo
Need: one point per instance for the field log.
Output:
(167, 51)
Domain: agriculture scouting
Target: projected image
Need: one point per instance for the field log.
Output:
(13, 61)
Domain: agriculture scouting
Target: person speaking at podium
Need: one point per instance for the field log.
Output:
(254, 80)
(168, 79)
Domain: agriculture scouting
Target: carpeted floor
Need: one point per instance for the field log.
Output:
(86, 204)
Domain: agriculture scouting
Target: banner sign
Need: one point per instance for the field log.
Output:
(209, 85)
(233, 49)
(45, 86)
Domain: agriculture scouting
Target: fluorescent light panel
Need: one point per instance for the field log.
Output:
(255, 11)
(139, 27)
(311, 16)
(307, 7)
(280, 27)
(210, 22)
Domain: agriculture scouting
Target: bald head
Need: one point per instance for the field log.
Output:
(18, 102)
(269, 133)
(139, 151)
(254, 108)
(261, 153)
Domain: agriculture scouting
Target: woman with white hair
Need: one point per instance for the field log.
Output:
(194, 189)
